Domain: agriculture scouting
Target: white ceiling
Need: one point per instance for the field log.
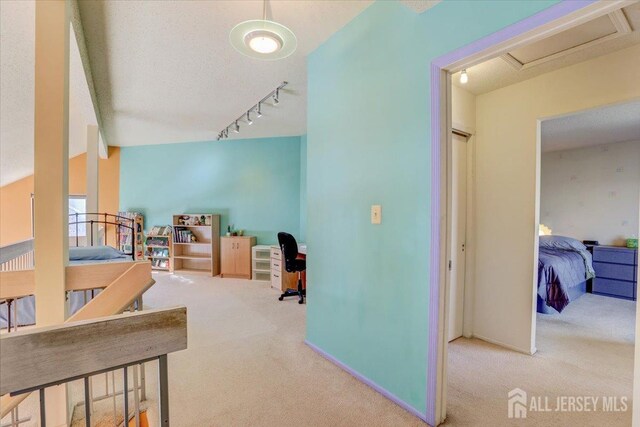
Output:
(605, 125)
(496, 73)
(165, 71)
(17, 70)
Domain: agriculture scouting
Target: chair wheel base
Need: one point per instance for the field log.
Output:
(280, 298)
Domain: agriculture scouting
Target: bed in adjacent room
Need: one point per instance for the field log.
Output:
(564, 267)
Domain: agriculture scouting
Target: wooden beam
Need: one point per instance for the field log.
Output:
(51, 158)
(15, 284)
(78, 31)
(55, 354)
(119, 295)
(91, 276)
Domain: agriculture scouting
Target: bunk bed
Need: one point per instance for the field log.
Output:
(102, 246)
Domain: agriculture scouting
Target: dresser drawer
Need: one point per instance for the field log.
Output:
(276, 280)
(614, 287)
(615, 271)
(276, 253)
(276, 264)
(615, 255)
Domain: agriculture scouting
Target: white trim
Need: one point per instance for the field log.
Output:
(584, 15)
(618, 20)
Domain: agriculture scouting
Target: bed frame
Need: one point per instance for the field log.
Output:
(121, 227)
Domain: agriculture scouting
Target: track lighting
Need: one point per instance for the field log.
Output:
(464, 78)
(257, 109)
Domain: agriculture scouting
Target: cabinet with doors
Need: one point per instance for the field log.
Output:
(235, 254)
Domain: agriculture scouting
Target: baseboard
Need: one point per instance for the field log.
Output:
(395, 399)
(501, 344)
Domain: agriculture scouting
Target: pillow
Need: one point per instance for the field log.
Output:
(88, 253)
(561, 242)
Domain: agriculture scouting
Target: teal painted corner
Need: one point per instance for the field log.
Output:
(303, 188)
(368, 143)
(253, 184)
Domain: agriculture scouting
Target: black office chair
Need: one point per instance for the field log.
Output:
(292, 264)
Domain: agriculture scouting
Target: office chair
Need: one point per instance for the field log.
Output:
(292, 264)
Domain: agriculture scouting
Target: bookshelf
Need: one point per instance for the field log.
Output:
(126, 239)
(159, 250)
(196, 244)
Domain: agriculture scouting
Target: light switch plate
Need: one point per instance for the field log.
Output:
(376, 214)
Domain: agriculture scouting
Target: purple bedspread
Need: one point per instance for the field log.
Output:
(559, 270)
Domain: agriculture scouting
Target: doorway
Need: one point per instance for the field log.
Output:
(444, 241)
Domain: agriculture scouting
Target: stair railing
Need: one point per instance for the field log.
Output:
(35, 359)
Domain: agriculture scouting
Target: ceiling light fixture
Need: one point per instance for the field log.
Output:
(464, 78)
(257, 108)
(262, 38)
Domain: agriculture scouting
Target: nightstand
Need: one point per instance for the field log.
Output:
(616, 271)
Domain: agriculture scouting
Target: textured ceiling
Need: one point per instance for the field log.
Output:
(496, 73)
(17, 67)
(164, 71)
(605, 125)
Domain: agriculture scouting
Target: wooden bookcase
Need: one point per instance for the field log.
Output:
(196, 244)
(128, 242)
(159, 248)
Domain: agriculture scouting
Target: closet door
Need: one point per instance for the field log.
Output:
(457, 254)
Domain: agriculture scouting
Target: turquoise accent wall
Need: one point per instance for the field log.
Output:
(368, 143)
(253, 183)
(303, 188)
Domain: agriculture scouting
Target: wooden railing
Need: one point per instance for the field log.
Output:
(44, 357)
(124, 284)
(17, 256)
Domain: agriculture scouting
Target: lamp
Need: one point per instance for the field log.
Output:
(257, 108)
(262, 38)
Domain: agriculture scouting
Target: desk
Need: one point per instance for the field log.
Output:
(280, 278)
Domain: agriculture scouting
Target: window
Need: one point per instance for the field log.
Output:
(77, 205)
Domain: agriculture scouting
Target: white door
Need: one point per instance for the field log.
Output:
(458, 234)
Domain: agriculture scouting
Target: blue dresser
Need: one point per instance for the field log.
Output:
(616, 271)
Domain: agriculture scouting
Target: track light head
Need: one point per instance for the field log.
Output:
(276, 101)
(249, 121)
(258, 111)
(236, 127)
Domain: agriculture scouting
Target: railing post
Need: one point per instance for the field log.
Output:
(125, 395)
(163, 390)
(87, 402)
(43, 412)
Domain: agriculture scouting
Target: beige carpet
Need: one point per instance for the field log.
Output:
(247, 365)
(586, 350)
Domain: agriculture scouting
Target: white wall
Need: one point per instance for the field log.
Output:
(507, 193)
(592, 192)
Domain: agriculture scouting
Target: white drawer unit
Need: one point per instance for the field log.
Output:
(261, 263)
(280, 279)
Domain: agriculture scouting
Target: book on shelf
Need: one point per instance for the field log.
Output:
(184, 235)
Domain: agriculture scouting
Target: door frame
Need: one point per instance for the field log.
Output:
(548, 22)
